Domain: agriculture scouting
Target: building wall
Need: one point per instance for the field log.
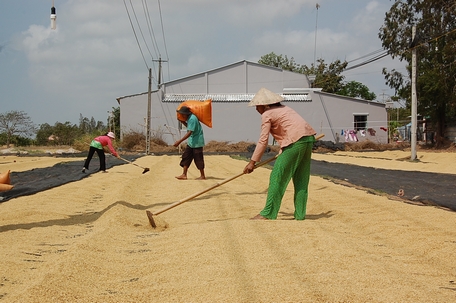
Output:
(133, 112)
(235, 121)
(239, 78)
(337, 117)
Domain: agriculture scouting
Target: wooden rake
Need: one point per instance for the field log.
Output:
(151, 215)
(145, 169)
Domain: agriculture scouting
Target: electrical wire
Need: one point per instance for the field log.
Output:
(163, 31)
(370, 54)
(136, 37)
(140, 30)
(167, 56)
(150, 27)
(378, 57)
(380, 53)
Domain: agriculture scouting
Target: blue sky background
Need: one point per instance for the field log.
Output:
(93, 56)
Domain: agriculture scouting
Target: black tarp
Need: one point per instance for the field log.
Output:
(429, 188)
(33, 181)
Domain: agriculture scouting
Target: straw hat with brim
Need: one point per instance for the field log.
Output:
(265, 97)
(184, 110)
(111, 135)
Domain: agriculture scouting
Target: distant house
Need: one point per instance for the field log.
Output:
(232, 87)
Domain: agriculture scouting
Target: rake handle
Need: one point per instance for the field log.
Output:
(131, 162)
(210, 188)
(219, 183)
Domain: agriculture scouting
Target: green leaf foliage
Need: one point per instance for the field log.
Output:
(328, 76)
(435, 47)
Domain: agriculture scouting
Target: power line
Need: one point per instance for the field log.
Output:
(385, 53)
(151, 29)
(153, 41)
(163, 31)
(431, 40)
(140, 30)
(378, 57)
(136, 37)
(370, 54)
(380, 53)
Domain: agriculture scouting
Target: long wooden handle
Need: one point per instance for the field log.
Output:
(210, 188)
(131, 162)
(219, 184)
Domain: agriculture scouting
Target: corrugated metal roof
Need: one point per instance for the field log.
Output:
(230, 97)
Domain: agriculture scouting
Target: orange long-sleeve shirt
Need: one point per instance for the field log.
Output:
(285, 125)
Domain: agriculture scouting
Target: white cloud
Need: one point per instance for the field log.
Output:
(368, 20)
(93, 56)
(36, 39)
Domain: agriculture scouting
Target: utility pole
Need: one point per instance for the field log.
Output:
(111, 122)
(159, 70)
(148, 113)
(414, 101)
(149, 102)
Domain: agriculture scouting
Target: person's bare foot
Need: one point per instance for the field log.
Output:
(181, 177)
(259, 217)
(201, 178)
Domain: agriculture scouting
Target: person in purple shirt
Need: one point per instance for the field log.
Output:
(296, 138)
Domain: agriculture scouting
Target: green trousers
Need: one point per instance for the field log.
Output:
(292, 163)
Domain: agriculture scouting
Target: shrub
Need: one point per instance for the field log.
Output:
(133, 140)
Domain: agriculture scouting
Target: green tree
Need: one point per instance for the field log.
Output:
(280, 61)
(43, 134)
(61, 133)
(15, 123)
(90, 126)
(356, 90)
(328, 76)
(114, 121)
(66, 133)
(93, 124)
(84, 124)
(435, 46)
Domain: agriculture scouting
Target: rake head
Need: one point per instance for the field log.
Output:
(151, 219)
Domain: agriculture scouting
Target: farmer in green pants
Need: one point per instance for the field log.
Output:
(296, 138)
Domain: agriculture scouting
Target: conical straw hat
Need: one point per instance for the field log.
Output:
(265, 97)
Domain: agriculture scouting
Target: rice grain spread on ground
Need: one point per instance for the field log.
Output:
(90, 240)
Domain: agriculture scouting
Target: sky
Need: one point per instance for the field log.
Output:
(95, 55)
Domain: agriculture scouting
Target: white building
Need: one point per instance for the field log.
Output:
(232, 87)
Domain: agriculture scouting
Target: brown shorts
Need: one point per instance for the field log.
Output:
(193, 154)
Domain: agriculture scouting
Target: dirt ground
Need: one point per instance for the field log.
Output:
(90, 240)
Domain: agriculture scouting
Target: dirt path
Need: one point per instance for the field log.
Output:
(90, 241)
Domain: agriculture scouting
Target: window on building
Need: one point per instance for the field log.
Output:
(360, 121)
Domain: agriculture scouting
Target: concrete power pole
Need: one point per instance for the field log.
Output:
(414, 101)
(149, 101)
(149, 106)
(159, 70)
